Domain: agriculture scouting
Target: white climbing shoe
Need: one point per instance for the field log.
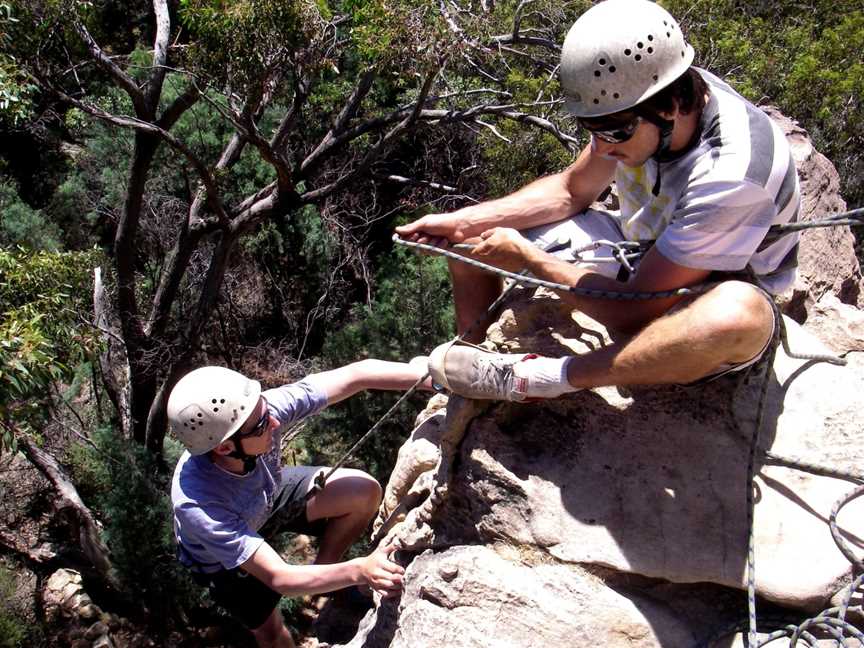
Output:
(476, 373)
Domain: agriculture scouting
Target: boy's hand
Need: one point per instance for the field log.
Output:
(382, 574)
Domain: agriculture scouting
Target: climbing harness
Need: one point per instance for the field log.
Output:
(833, 620)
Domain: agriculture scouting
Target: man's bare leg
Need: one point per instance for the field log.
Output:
(348, 502)
(728, 325)
(474, 290)
(273, 633)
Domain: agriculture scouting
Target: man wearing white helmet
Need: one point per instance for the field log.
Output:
(230, 491)
(699, 171)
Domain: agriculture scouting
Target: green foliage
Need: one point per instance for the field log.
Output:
(246, 39)
(797, 56)
(15, 89)
(14, 629)
(130, 491)
(528, 155)
(409, 315)
(43, 298)
(20, 225)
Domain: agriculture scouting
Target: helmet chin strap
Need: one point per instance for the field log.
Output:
(247, 459)
(662, 152)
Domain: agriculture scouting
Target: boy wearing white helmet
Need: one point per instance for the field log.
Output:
(701, 174)
(230, 491)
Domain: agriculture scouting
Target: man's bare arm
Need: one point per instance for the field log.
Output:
(545, 200)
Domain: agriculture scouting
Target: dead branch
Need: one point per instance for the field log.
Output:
(68, 501)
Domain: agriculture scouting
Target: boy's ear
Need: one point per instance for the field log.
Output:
(224, 448)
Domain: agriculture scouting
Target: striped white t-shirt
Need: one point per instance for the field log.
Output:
(717, 201)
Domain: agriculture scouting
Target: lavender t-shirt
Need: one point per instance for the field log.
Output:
(217, 513)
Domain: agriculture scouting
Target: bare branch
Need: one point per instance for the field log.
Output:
(414, 182)
(122, 79)
(144, 126)
(301, 93)
(494, 130)
(179, 106)
(513, 39)
(330, 140)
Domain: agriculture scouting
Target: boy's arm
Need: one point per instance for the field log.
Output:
(346, 381)
(376, 570)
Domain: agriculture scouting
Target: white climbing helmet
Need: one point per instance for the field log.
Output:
(619, 53)
(210, 404)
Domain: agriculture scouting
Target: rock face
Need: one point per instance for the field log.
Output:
(618, 518)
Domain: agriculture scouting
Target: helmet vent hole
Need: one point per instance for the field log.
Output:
(627, 52)
(242, 407)
(639, 45)
(222, 401)
(650, 50)
(612, 68)
(656, 77)
(213, 401)
(682, 54)
(616, 95)
(638, 57)
(650, 37)
(602, 61)
(596, 73)
(215, 409)
(603, 93)
(200, 415)
(596, 101)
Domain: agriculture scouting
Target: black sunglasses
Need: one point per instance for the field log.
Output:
(260, 426)
(616, 135)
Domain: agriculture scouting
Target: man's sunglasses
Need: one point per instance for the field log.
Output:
(260, 426)
(616, 135)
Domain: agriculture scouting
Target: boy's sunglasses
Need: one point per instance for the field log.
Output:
(617, 135)
(260, 426)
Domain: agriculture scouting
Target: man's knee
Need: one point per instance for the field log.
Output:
(740, 316)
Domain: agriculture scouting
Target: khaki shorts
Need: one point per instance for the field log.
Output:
(563, 239)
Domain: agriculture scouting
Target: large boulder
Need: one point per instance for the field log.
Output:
(615, 517)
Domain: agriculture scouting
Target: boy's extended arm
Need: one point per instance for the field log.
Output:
(376, 570)
(346, 381)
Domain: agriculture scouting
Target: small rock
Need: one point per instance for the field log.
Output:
(89, 611)
(96, 630)
(103, 642)
(448, 572)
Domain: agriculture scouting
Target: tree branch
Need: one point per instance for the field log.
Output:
(122, 79)
(68, 500)
(324, 148)
(160, 54)
(179, 106)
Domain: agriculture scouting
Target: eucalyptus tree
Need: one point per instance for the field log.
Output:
(322, 95)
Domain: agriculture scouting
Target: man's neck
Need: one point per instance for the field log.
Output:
(686, 127)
